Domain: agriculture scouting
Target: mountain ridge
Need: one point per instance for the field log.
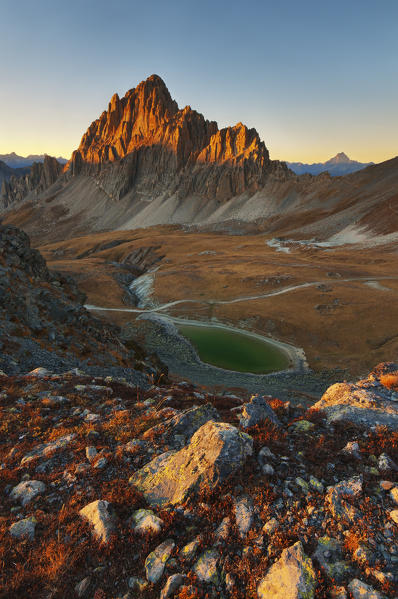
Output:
(14, 160)
(146, 162)
(337, 166)
(35, 179)
(157, 142)
(6, 172)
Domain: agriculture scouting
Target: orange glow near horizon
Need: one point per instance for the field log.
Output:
(305, 155)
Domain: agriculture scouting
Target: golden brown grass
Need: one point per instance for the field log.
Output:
(342, 335)
(390, 381)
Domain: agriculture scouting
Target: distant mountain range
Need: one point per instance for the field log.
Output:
(14, 161)
(337, 166)
(144, 161)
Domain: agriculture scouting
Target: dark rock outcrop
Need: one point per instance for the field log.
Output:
(42, 316)
(40, 176)
(6, 172)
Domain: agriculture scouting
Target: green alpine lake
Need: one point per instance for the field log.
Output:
(233, 350)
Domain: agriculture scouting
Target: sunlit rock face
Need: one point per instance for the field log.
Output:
(368, 403)
(155, 145)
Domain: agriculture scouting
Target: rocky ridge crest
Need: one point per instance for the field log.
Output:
(155, 146)
(40, 176)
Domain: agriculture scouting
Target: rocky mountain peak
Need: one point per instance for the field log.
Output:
(340, 157)
(162, 143)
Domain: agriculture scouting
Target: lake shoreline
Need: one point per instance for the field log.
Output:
(177, 353)
(296, 355)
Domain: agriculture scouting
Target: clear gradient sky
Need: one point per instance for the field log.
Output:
(313, 77)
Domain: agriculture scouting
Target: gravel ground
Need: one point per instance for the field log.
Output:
(30, 356)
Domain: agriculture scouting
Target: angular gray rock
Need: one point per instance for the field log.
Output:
(47, 448)
(243, 508)
(216, 451)
(82, 587)
(222, 531)
(330, 556)
(155, 563)
(361, 590)
(386, 464)
(91, 453)
(292, 577)
(24, 528)
(179, 429)
(189, 550)
(270, 526)
(366, 403)
(336, 498)
(27, 490)
(145, 521)
(206, 567)
(172, 585)
(257, 411)
(100, 515)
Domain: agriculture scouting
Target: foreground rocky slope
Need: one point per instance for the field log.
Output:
(110, 491)
(113, 488)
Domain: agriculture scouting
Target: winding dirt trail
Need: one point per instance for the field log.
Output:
(241, 299)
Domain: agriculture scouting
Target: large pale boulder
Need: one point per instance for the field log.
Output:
(292, 577)
(366, 403)
(215, 452)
